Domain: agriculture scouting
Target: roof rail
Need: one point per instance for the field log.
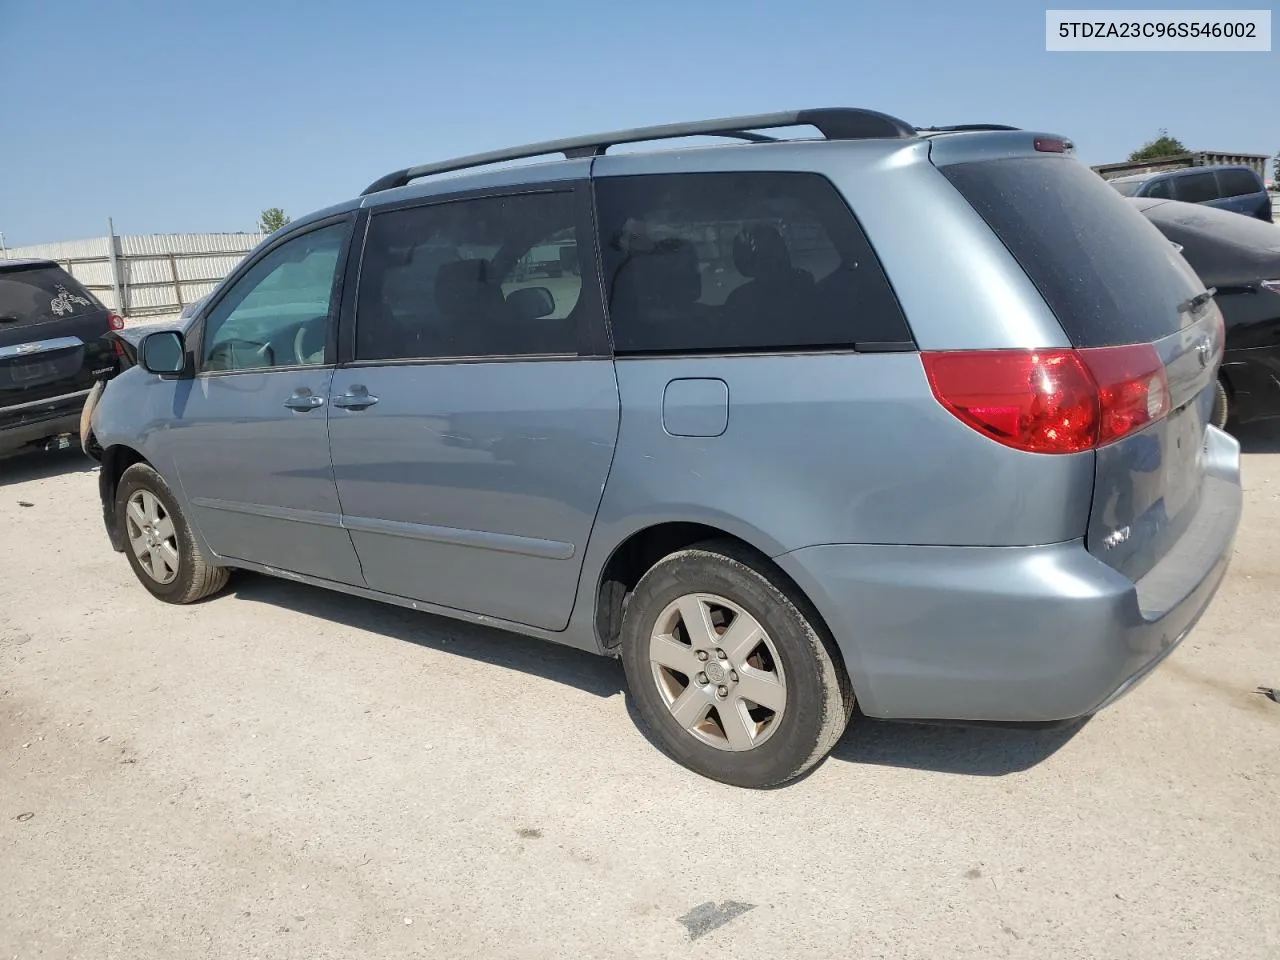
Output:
(962, 127)
(835, 123)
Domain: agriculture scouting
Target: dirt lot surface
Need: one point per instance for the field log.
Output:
(283, 772)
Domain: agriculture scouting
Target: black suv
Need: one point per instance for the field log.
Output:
(53, 348)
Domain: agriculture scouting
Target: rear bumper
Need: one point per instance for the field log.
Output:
(1026, 634)
(23, 427)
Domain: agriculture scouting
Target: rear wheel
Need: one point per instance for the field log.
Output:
(1221, 405)
(730, 672)
(158, 542)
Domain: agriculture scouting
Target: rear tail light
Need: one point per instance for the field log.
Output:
(115, 321)
(1052, 401)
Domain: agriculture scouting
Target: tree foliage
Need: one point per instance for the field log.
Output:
(1162, 146)
(272, 219)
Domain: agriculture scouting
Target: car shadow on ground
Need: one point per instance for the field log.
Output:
(1260, 437)
(586, 671)
(26, 467)
(984, 751)
(970, 749)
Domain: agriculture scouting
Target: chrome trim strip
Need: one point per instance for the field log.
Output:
(31, 404)
(39, 346)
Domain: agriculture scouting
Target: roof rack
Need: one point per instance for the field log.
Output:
(962, 127)
(835, 123)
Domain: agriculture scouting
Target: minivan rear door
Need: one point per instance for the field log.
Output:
(1240, 191)
(52, 335)
(1112, 279)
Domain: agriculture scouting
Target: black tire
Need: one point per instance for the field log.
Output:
(819, 698)
(196, 578)
(1221, 405)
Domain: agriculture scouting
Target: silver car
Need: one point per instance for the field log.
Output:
(912, 419)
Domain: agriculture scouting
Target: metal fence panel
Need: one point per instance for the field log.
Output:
(157, 274)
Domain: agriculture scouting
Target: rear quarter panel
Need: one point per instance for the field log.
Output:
(831, 448)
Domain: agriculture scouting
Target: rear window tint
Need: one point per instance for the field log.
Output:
(42, 294)
(744, 261)
(1107, 274)
(1237, 183)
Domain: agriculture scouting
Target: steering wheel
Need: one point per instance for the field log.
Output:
(300, 352)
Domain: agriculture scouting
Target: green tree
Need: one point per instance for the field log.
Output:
(1162, 146)
(272, 219)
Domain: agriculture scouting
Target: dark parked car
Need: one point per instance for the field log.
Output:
(53, 347)
(1238, 189)
(1241, 258)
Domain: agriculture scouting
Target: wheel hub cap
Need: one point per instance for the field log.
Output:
(718, 672)
(152, 536)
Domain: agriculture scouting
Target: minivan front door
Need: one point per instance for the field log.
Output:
(473, 432)
(249, 435)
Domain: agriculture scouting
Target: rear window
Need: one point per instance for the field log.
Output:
(744, 261)
(42, 294)
(1238, 183)
(1107, 274)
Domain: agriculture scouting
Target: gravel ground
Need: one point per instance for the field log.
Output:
(283, 772)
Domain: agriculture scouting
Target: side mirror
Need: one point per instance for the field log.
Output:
(163, 352)
(531, 303)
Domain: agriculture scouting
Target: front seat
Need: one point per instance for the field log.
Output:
(656, 296)
(775, 288)
(473, 312)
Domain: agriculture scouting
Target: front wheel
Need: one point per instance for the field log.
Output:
(163, 554)
(729, 670)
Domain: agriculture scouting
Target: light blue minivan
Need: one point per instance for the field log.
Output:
(910, 419)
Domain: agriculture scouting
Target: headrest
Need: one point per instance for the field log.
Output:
(462, 284)
(661, 275)
(759, 250)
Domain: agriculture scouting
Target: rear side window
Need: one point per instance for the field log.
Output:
(1161, 190)
(747, 261)
(1237, 183)
(42, 294)
(1196, 188)
(489, 277)
(1107, 274)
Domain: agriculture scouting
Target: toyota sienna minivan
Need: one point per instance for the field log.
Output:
(912, 419)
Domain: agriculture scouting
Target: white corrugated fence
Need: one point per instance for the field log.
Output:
(150, 276)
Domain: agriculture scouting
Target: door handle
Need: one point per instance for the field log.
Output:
(359, 398)
(304, 401)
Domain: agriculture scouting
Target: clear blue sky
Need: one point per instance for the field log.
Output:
(189, 116)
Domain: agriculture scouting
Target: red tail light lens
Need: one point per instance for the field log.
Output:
(1133, 389)
(1052, 401)
(115, 321)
